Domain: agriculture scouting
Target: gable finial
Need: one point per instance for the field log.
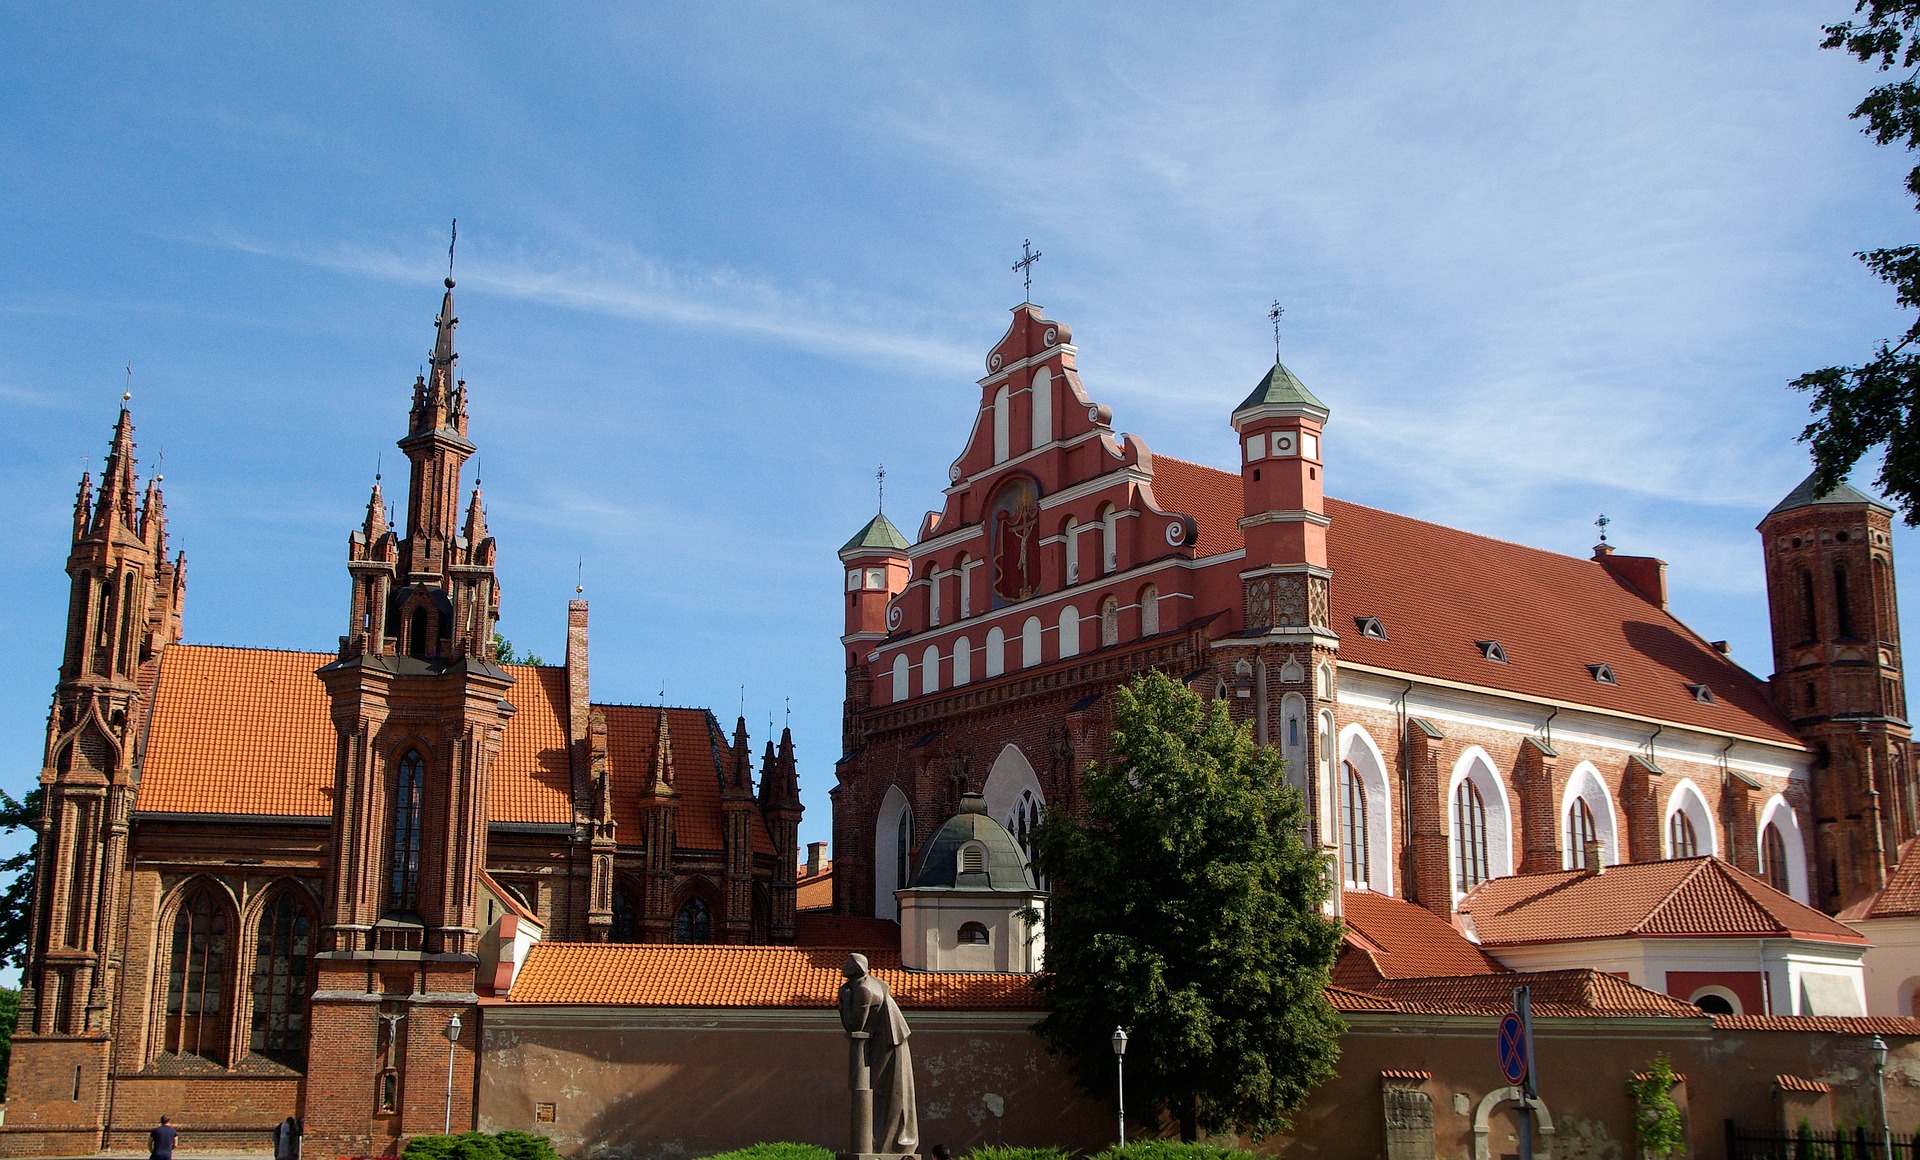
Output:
(1024, 267)
(127, 394)
(579, 575)
(1273, 316)
(451, 243)
(881, 476)
(1602, 523)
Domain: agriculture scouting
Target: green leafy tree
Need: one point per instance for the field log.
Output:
(1189, 912)
(503, 653)
(1877, 403)
(16, 898)
(1655, 1114)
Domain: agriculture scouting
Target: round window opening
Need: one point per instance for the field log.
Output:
(973, 934)
(1714, 1004)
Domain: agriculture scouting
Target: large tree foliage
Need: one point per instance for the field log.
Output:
(1877, 404)
(1189, 911)
(16, 898)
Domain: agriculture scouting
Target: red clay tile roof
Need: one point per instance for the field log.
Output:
(1832, 1024)
(666, 975)
(1677, 898)
(700, 754)
(1406, 941)
(1348, 1000)
(246, 731)
(1793, 1083)
(1437, 590)
(1571, 994)
(820, 928)
(1396, 1073)
(815, 893)
(1900, 898)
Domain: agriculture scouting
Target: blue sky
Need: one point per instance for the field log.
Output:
(718, 262)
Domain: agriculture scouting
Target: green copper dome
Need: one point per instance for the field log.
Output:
(1805, 496)
(1003, 867)
(1280, 388)
(879, 533)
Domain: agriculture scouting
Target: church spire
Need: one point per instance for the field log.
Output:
(476, 518)
(116, 481)
(376, 522)
(82, 504)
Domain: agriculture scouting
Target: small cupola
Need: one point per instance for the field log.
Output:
(974, 901)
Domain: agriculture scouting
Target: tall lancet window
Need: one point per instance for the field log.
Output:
(280, 980)
(1470, 852)
(1353, 827)
(196, 978)
(1580, 830)
(403, 859)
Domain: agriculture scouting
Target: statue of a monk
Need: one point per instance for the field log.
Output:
(867, 1005)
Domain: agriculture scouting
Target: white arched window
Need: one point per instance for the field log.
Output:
(1689, 828)
(893, 852)
(1323, 682)
(966, 588)
(1042, 399)
(962, 661)
(996, 652)
(1783, 850)
(1069, 631)
(1109, 539)
(1149, 610)
(1587, 813)
(1070, 536)
(1361, 758)
(1109, 622)
(1030, 643)
(901, 688)
(1000, 437)
(1354, 858)
(1012, 794)
(933, 595)
(930, 669)
(1480, 822)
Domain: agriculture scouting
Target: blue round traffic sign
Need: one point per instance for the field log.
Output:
(1513, 1050)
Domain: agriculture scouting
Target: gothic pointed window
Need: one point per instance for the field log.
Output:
(1682, 840)
(1809, 621)
(1843, 607)
(626, 915)
(403, 857)
(281, 947)
(694, 923)
(1580, 830)
(1470, 849)
(196, 978)
(1773, 853)
(903, 849)
(1353, 826)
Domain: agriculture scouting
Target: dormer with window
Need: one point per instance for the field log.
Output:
(1491, 650)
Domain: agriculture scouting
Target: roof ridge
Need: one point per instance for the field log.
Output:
(312, 652)
(1673, 893)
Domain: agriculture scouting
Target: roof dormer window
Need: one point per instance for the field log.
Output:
(1602, 674)
(1370, 627)
(973, 858)
(1701, 693)
(1491, 650)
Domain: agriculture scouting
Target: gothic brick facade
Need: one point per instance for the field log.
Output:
(1454, 708)
(267, 882)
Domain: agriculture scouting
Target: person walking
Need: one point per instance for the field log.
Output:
(161, 1141)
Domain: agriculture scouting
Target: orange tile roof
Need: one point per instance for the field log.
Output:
(238, 731)
(1900, 898)
(532, 779)
(816, 892)
(1832, 1024)
(1677, 898)
(1793, 1083)
(1574, 994)
(1437, 590)
(666, 975)
(1403, 940)
(699, 757)
(1347, 1000)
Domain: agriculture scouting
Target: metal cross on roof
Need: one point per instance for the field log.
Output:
(1273, 316)
(881, 476)
(451, 243)
(1602, 523)
(1024, 267)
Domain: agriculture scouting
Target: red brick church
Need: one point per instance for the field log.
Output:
(1456, 709)
(270, 881)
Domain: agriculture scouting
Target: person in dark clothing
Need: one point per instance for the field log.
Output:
(286, 1140)
(942, 1152)
(162, 1140)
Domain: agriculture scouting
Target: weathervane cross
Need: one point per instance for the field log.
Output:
(451, 243)
(1024, 267)
(881, 476)
(1273, 316)
(1602, 523)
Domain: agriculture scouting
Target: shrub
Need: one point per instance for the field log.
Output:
(777, 1151)
(525, 1146)
(1655, 1114)
(1171, 1150)
(465, 1146)
(997, 1152)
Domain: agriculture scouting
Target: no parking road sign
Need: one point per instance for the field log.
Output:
(1513, 1048)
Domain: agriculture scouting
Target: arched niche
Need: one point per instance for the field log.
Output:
(1687, 799)
(1358, 750)
(1778, 814)
(892, 866)
(1586, 786)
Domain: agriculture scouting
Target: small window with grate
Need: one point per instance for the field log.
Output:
(1370, 627)
(974, 934)
(1602, 674)
(1701, 693)
(973, 859)
(1491, 650)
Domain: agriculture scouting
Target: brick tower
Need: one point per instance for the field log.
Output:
(124, 609)
(1837, 676)
(418, 708)
(1286, 665)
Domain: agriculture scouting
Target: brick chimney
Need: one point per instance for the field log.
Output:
(816, 859)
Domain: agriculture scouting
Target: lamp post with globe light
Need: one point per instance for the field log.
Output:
(1877, 1050)
(1120, 1063)
(453, 1037)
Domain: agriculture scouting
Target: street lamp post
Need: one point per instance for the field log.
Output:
(1877, 1049)
(1120, 1063)
(453, 1037)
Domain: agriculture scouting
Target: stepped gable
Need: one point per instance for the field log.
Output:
(1395, 939)
(678, 975)
(1437, 590)
(699, 769)
(1678, 898)
(1900, 898)
(1571, 994)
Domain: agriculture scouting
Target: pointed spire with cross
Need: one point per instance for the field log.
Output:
(1273, 316)
(1024, 267)
(881, 477)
